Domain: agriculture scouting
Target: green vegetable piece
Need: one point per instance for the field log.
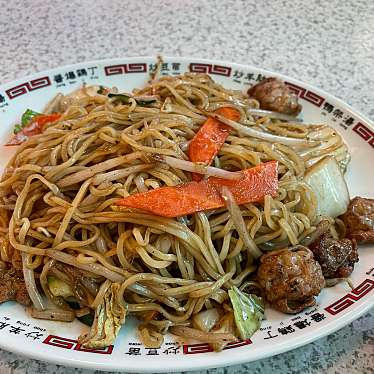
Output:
(110, 315)
(248, 312)
(100, 91)
(28, 116)
(125, 99)
(17, 128)
(73, 304)
(143, 102)
(59, 288)
(87, 319)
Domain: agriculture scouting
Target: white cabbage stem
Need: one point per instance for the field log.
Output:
(266, 136)
(274, 115)
(193, 167)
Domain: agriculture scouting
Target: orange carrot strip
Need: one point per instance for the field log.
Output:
(35, 127)
(195, 196)
(207, 142)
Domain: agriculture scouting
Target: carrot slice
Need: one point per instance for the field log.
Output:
(207, 142)
(35, 127)
(195, 196)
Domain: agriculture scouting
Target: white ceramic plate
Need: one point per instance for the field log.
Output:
(337, 306)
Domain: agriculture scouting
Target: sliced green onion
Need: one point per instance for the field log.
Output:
(28, 116)
(87, 319)
(125, 99)
(17, 128)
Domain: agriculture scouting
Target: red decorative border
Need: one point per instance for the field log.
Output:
(305, 94)
(189, 349)
(299, 91)
(210, 69)
(356, 294)
(125, 68)
(23, 88)
(365, 133)
(58, 341)
(196, 348)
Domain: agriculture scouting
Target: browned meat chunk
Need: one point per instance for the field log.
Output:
(12, 255)
(359, 220)
(290, 278)
(12, 287)
(273, 94)
(336, 257)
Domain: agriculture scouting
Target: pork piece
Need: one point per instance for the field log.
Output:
(359, 220)
(336, 257)
(12, 287)
(12, 255)
(290, 278)
(273, 94)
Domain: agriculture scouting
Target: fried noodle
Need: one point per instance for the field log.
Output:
(59, 191)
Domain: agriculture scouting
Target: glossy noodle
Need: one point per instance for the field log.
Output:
(59, 211)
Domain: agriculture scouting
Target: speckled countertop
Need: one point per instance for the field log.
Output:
(328, 43)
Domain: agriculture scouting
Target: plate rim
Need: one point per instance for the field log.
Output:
(194, 364)
(356, 112)
(179, 366)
